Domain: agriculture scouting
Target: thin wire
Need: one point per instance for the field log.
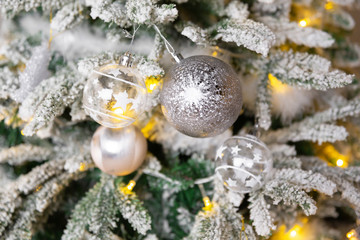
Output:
(168, 46)
(202, 190)
(205, 180)
(133, 36)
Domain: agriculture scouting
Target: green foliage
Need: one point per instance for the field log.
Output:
(12, 135)
(95, 212)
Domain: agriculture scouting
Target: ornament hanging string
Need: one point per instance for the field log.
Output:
(51, 36)
(256, 130)
(177, 56)
(50, 31)
(133, 37)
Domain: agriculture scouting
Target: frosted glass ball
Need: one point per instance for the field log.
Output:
(201, 96)
(118, 151)
(114, 95)
(243, 163)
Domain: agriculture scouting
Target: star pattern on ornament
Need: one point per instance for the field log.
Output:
(257, 157)
(122, 100)
(230, 182)
(250, 182)
(111, 85)
(249, 145)
(136, 102)
(239, 162)
(90, 100)
(105, 94)
(95, 80)
(219, 152)
(115, 72)
(235, 150)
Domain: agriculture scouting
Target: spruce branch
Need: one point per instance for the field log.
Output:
(344, 184)
(207, 225)
(37, 178)
(196, 34)
(38, 175)
(68, 16)
(109, 11)
(263, 114)
(237, 10)
(222, 222)
(86, 65)
(283, 30)
(286, 162)
(22, 153)
(306, 71)
(345, 109)
(35, 205)
(33, 100)
(12, 8)
(341, 18)
(279, 150)
(290, 194)
(260, 215)
(9, 201)
(132, 209)
(345, 54)
(18, 50)
(310, 132)
(55, 101)
(314, 128)
(80, 216)
(250, 34)
(9, 82)
(279, 9)
(147, 12)
(306, 180)
(102, 215)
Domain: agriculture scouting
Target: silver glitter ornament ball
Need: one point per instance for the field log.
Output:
(118, 151)
(201, 96)
(243, 163)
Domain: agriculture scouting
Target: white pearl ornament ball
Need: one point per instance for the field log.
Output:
(118, 151)
(243, 163)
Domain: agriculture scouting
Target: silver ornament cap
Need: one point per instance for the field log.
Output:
(201, 96)
(118, 151)
(243, 163)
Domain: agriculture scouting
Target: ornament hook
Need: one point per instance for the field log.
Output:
(177, 56)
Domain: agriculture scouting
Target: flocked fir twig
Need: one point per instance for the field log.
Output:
(51, 108)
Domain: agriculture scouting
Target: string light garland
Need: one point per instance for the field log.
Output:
(208, 205)
(330, 154)
(329, 6)
(353, 234)
(152, 83)
(276, 85)
(303, 22)
(131, 184)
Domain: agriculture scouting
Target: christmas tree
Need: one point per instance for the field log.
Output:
(222, 119)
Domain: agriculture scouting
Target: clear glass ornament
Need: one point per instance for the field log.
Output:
(243, 163)
(115, 94)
